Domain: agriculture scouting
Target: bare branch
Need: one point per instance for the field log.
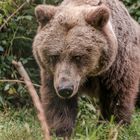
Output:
(17, 81)
(35, 98)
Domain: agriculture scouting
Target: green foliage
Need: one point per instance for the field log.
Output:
(19, 125)
(134, 8)
(16, 41)
(23, 124)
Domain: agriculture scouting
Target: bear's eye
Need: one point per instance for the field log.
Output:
(77, 58)
(53, 59)
(81, 60)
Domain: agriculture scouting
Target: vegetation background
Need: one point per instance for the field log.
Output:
(17, 118)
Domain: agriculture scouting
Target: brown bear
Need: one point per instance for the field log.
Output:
(90, 47)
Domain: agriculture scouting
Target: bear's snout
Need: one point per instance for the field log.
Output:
(65, 87)
(66, 80)
(65, 91)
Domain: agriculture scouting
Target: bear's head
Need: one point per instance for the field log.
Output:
(73, 43)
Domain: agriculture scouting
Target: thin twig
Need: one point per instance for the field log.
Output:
(35, 98)
(23, 37)
(13, 14)
(17, 81)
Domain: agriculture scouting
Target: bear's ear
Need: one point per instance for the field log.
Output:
(44, 13)
(98, 17)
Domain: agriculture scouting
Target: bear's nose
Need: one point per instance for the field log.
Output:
(65, 92)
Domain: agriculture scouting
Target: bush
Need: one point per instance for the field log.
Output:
(133, 8)
(16, 41)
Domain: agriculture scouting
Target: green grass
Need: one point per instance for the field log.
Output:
(22, 124)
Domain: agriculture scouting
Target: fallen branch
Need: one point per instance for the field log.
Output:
(17, 81)
(35, 98)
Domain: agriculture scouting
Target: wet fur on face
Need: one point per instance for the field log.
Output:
(74, 45)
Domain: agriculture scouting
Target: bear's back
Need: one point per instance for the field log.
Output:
(125, 28)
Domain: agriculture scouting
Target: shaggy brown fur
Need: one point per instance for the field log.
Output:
(92, 46)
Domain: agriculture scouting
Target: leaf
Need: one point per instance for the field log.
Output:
(12, 91)
(24, 61)
(28, 17)
(7, 87)
(28, 1)
(1, 100)
(138, 13)
(91, 107)
(1, 49)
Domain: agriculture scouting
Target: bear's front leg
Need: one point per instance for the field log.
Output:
(120, 104)
(60, 113)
